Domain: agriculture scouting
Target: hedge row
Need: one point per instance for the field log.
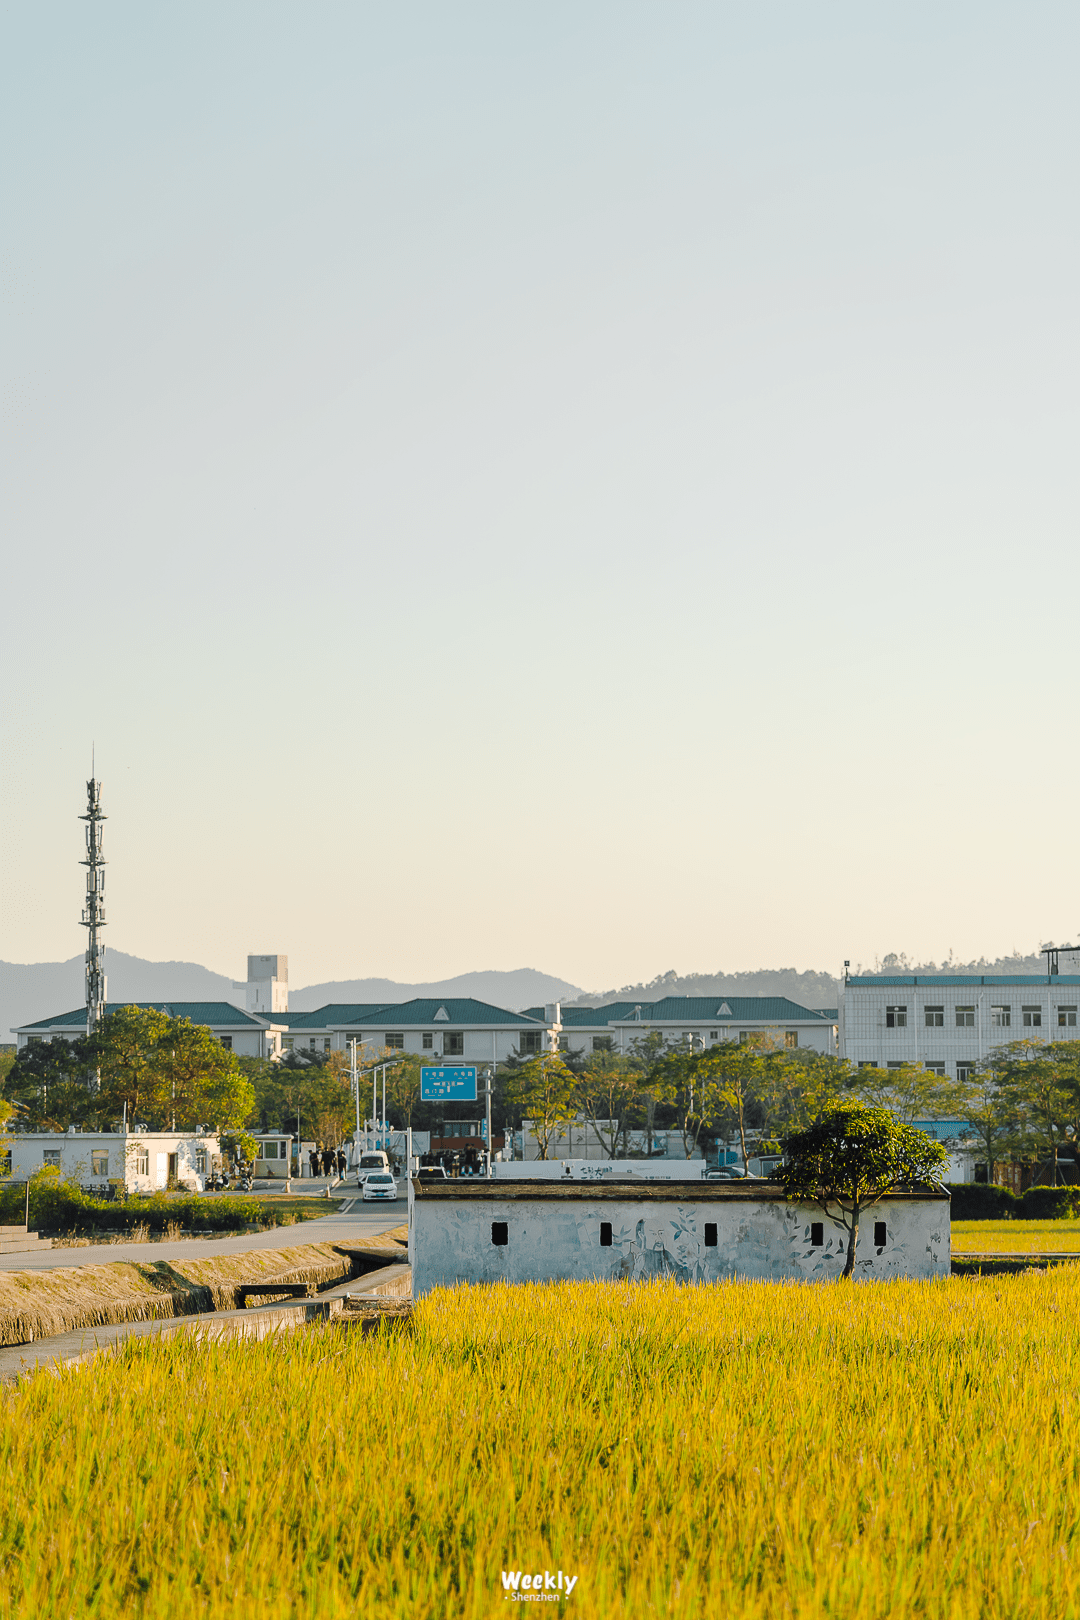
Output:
(976, 1201)
(61, 1206)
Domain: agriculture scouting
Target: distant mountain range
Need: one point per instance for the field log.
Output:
(513, 989)
(29, 991)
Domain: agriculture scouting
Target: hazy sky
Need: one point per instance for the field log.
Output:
(589, 486)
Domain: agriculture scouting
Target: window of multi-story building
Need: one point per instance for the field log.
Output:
(287, 1043)
(142, 1161)
(99, 1163)
(52, 1156)
(428, 1042)
(714, 1034)
(453, 1045)
(965, 1017)
(530, 1042)
(564, 1043)
(935, 1068)
(791, 1037)
(601, 1043)
(896, 1018)
(396, 1042)
(894, 1065)
(1066, 1018)
(226, 1041)
(964, 1072)
(1032, 1017)
(1000, 1017)
(934, 1017)
(867, 1063)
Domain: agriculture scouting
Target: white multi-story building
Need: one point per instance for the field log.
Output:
(240, 1032)
(949, 1024)
(705, 1020)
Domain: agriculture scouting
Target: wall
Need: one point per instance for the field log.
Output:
(554, 1232)
(599, 1169)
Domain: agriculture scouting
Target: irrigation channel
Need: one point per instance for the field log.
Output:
(378, 1286)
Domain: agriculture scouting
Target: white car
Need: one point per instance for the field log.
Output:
(379, 1184)
(368, 1163)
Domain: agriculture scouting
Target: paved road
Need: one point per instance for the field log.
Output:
(362, 1221)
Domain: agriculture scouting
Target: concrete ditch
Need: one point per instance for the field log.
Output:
(383, 1295)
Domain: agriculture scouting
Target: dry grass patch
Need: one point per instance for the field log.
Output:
(41, 1304)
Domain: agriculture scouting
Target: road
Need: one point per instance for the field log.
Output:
(361, 1221)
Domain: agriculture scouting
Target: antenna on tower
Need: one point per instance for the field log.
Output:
(93, 917)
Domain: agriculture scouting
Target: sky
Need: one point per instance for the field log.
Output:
(588, 487)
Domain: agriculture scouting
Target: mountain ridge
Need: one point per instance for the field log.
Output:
(33, 990)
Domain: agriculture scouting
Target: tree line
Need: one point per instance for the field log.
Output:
(1022, 1104)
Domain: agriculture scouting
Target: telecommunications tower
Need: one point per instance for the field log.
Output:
(93, 916)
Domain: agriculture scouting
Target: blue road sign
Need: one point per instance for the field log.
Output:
(447, 1085)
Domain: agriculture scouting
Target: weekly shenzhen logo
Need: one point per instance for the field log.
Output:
(545, 1588)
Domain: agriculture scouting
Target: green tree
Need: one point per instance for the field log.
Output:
(199, 1081)
(49, 1085)
(850, 1158)
(723, 1079)
(541, 1089)
(239, 1145)
(605, 1093)
(989, 1113)
(649, 1054)
(910, 1091)
(794, 1087)
(129, 1055)
(403, 1088)
(1037, 1082)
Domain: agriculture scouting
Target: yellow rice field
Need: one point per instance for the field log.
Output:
(745, 1450)
(1015, 1237)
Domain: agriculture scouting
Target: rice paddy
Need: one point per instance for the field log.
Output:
(747, 1450)
(1015, 1237)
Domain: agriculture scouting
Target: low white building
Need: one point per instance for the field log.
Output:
(949, 1024)
(623, 1229)
(140, 1161)
(705, 1020)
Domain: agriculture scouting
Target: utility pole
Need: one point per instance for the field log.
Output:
(93, 917)
(354, 1072)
